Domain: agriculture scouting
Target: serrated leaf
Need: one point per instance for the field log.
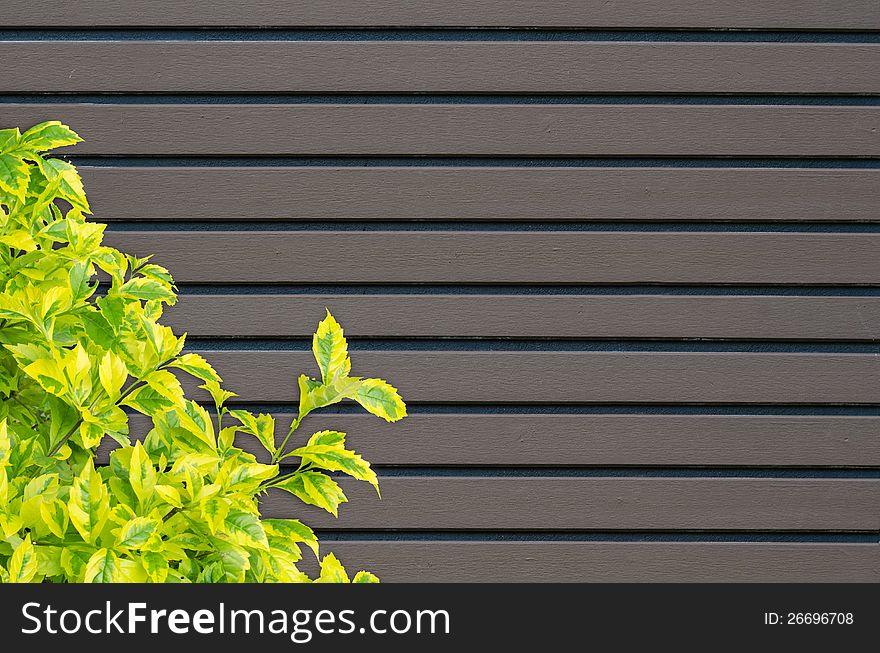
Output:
(336, 459)
(365, 577)
(332, 570)
(146, 289)
(197, 366)
(49, 135)
(328, 439)
(245, 529)
(14, 176)
(294, 530)
(330, 349)
(381, 398)
(260, 426)
(316, 489)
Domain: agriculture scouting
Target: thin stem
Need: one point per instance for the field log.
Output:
(279, 452)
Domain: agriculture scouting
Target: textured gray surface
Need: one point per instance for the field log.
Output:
(792, 14)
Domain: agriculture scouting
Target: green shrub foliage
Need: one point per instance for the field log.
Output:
(182, 504)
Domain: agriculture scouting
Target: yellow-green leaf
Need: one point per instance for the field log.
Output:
(197, 366)
(113, 373)
(332, 570)
(89, 503)
(331, 349)
(365, 577)
(49, 135)
(137, 532)
(381, 398)
(22, 564)
(103, 567)
(54, 513)
(141, 474)
(316, 489)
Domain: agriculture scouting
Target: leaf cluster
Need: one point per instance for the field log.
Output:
(83, 348)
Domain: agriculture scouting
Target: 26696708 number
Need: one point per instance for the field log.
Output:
(809, 618)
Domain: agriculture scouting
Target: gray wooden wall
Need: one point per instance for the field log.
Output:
(627, 275)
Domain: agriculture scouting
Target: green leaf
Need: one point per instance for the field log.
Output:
(14, 176)
(261, 427)
(316, 489)
(146, 289)
(103, 567)
(365, 577)
(381, 398)
(89, 503)
(333, 458)
(54, 513)
(245, 529)
(156, 566)
(328, 439)
(22, 565)
(147, 401)
(197, 366)
(214, 511)
(49, 135)
(141, 474)
(331, 349)
(293, 530)
(113, 373)
(332, 570)
(137, 532)
(169, 494)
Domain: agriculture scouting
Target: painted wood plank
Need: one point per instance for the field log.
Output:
(597, 562)
(604, 440)
(590, 377)
(155, 66)
(481, 503)
(770, 317)
(499, 257)
(482, 193)
(448, 129)
(793, 14)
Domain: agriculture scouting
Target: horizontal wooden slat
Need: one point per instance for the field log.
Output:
(596, 562)
(582, 377)
(396, 129)
(532, 316)
(590, 440)
(437, 67)
(792, 14)
(555, 257)
(482, 193)
(498, 503)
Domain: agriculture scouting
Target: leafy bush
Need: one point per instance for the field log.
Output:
(181, 506)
